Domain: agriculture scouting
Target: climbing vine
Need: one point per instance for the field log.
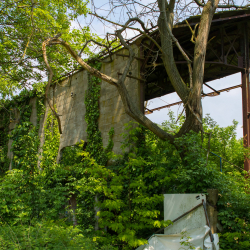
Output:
(24, 133)
(50, 146)
(94, 138)
(4, 132)
(129, 189)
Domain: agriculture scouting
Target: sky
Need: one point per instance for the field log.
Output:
(223, 108)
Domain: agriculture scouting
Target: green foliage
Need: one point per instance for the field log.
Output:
(94, 138)
(4, 138)
(46, 235)
(185, 241)
(236, 238)
(130, 208)
(24, 26)
(50, 146)
(129, 188)
(18, 111)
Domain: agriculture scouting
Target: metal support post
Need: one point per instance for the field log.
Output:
(245, 92)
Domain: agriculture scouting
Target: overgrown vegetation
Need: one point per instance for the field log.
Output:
(35, 198)
(36, 192)
(24, 25)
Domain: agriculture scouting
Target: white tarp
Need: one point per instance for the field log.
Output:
(197, 238)
(189, 231)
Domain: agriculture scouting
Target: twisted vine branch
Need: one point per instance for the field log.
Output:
(132, 110)
(45, 43)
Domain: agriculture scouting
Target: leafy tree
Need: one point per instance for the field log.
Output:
(24, 25)
(165, 13)
(129, 190)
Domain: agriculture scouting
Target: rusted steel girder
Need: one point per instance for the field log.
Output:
(215, 93)
(245, 92)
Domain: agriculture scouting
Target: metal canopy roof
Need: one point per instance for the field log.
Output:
(226, 52)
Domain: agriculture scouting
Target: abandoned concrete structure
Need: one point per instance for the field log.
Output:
(227, 53)
(68, 96)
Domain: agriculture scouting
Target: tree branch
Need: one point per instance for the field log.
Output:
(45, 43)
(145, 32)
(129, 106)
(165, 25)
(189, 62)
(100, 44)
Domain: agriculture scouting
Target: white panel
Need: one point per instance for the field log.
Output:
(191, 228)
(177, 204)
(208, 243)
(173, 242)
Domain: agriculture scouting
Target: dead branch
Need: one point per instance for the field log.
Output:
(100, 44)
(130, 108)
(145, 32)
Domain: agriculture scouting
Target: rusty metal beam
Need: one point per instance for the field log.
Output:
(214, 21)
(215, 93)
(206, 62)
(212, 88)
(245, 92)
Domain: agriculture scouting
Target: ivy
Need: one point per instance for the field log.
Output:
(23, 126)
(94, 138)
(4, 139)
(130, 190)
(50, 147)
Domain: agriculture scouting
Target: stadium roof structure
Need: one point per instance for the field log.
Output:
(227, 53)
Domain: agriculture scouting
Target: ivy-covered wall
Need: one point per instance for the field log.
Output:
(69, 98)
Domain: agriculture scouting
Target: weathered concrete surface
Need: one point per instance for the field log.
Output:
(112, 112)
(69, 95)
(33, 116)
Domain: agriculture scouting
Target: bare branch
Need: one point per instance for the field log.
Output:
(193, 38)
(145, 32)
(45, 43)
(100, 44)
(129, 106)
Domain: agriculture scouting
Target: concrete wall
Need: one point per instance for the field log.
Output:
(112, 113)
(68, 96)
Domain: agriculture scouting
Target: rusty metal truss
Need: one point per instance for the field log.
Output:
(227, 53)
(214, 93)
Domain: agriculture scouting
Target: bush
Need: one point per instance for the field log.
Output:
(46, 235)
